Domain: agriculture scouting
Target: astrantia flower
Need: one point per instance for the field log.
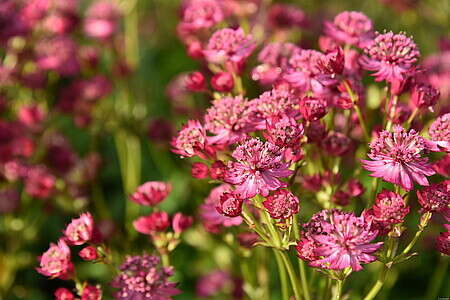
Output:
(155, 222)
(199, 14)
(212, 283)
(350, 27)
(435, 198)
(55, 262)
(151, 193)
(441, 166)
(424, 96)
(389, 209)
(142, 277)
(258, 169)
(210, 217)
(91, 292)
(339, 240)
(227, 118)
(440, 133)
(230, 205)
(397, 158)
(281, 204)
(101, 20)
(88, 253)
(283, 131)
(63, 294)
(80, 230)
(313, 108)
(191, 140)
(443, 243)
(229, 45)
(39, 182)
(392, 56)
(58, 54)
(286, 16)
(277, 102)
(181, 222)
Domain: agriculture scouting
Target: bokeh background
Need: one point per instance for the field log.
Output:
(131, 135)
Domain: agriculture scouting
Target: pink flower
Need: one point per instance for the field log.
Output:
(88, 253)
(101, 20)
(282, 204)
(211, 284)
(435, 198)
(229, 205)
(191, 140)
(199, 170)
(151, 193)
(181, 222)
(397, 158)
(55, 262)
(9, 200)
(217, 170)
(350, 27)
(341, 198)
(200, 14)
(31, 116)
(211, 219)
(355, 188)
(222, 82)
(286, 16)
(258, 168)
(155, 222)
(91, 292)
(229, 45)
(141, 277)
(80, 230)
(39, 182)
(313, 108)
(424, 96)
(442, 166)
(58, 54)
(389, 209)
(195, 82)
(443, 243)
(228, 119)
(64, 294)
(337, 144)
(337, 240)
(284, 131)
(439, 132)
(392, 56)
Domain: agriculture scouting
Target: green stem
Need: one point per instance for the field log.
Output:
(301, 263)
(423, 224)
(391, 114)
(282, 274)
(355, 101)
(165, 260)
(291, 274)
(411, 118)
(339, 286)
(378, 284)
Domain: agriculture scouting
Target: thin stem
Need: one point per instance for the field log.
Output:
(378, 284)
(391, 114)
(411, 118)
(292, 275)
(301, 263)
(339, 286)
(282, 274)
(355, 100)
(165, 260)
(423, 224)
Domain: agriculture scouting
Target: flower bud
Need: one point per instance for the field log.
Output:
(195, 82)
(199, 170)
(222, 82)
(181, 222)
(88, 253)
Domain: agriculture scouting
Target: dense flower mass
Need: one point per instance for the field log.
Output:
(141, 277)
(191, 140)
(397, 158)
(392, 56)
(258, 168)
(337, 240)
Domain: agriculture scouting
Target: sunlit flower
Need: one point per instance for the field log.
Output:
(154, 222)
(80, 230)
(55, 262)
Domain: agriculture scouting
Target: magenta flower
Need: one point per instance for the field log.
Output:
(88, 253)
(151, 193)
(80, 230)
(284, 131)
(313, 108)
(392, 56)
(441, 166)
(229, 45)
(230, 205)
(91, 292)
(336, 144)
(282, 204)
(154, 222)
(228, 119)
(397, 158)
(200, 14)
(55, 262)
(212, 283)
(39, 182)
(210, 217)
(222, 82)
(424, 96)
(181, 222)
(389, 209)
(443, 243)
(58, 54)
(439, 132)
(63, 294)
(101, 20)
(435, 198)
(258, 169)
(350, 27)
(336, 240)
(191, 140)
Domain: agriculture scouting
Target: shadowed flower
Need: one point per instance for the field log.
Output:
(392, 56)
(58, 54)
(424, 96)
(397, 158)
(281, 204)
(63, 294)
(55, 262)
(336, 144)
(337, 240)
(191, 140)
(313, 108)
(151, 193)
(141, 277)
(389, 209)
(258, 168)
(284, 131)
(350, 27)
(80, 230)
(443, 243)
(440, 134)
(199, 14)
(435, 198)
(229, 205)
(212, 283)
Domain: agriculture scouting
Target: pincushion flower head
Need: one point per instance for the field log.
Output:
(258, 168)
(157, 221)
(392, 56)
(229, 45)
(200, 14)
(191, 140)
(337, 240)
(142, 277)
(55, 262)
(397, 158)
(424, 96)
(227, 118)
(284, 131)
(389, 209)
(281, 204)
(439, 132)
(350, 27)
(151, 193)
(80, 230)
(435, 198)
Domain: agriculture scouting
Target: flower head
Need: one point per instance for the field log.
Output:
(88, 253)
(440, 133)
(336, 240)
(229, 205)
(101, 20)
(389, 209)
(284, 131)
(191, 140)
(55, 262)
(258, 168)
(397, 158)
(155, 222)
(336, 143)
(212, 283)
(281, 204)
(63, 294)
(142, 277)
(181, 222)
(80, 230)
(58, 54)
(392, 56)
(91, 292)
(350, 27)
(443, 243)
(199, 14)
(435, 198)
(313, 108)
(151, 193)
(424, 96)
